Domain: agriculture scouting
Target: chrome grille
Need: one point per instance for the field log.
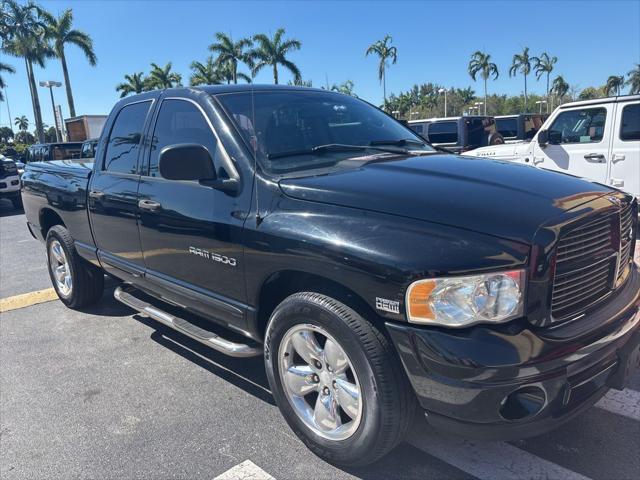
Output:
(626, 224)
(585, 266)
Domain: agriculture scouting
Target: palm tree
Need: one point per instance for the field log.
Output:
(613, 85)
(345, 87)
(205, 73)
(4, 67)
(544, 64)
(22, 123)
(23, 36)
(135, 83)
(633, 80)
(60, 32)
(385, 51)
(521, 63)
(163, 77)
(559, 87)
(481, 63)
(273, 52)
(231, 53)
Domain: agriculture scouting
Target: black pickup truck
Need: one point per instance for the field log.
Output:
(378, 276)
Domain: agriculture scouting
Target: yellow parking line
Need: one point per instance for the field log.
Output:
(27, 299)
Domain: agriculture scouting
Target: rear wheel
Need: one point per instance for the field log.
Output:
(336, 380)
(76, 281)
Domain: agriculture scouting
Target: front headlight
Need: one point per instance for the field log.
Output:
(463, 301)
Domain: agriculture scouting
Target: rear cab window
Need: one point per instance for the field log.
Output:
(630, 125)
(124, 140)
(443, 132)
(508, 127)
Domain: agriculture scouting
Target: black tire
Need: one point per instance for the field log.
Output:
(389, 404)
(88, 280)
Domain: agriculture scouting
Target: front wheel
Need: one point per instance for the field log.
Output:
(76, 281)
(336, 380)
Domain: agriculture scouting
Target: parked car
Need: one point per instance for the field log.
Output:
(373, 273)
(10, 181)
(595, 139)
(45, 152)
(458, 134)
(88, 149)
(519, 128)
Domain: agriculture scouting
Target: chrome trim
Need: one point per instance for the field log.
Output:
(214, 341)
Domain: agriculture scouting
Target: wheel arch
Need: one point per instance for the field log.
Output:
(48, 218)
(279, 285)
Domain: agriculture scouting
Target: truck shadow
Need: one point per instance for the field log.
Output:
(7, 210)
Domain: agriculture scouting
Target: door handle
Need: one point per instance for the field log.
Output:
(617, 157)
(149, 205)
(595, 157)
(96, 194)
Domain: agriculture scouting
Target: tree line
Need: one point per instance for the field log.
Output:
(34, 35)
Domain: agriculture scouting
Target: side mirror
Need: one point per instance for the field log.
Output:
(190, 161)
(186, 161)
(555, 137)
(543, 138)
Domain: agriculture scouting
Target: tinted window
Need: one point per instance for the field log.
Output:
(479, 130)
(125, 137)
(443, 132)
(508, 127)
(88, 149)
(630, 128)
(65, 152)
(284, 127)
(579, 126)
(417, 128)
(179, 121)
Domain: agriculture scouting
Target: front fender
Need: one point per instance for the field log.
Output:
(375, 255)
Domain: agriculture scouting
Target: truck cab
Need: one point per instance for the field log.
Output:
(458, 134)
(594, 139)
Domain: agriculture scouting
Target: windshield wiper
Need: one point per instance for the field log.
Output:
(400, 143)
(333, 147)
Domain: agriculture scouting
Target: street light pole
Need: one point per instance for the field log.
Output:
(50, 84)
(444, 90)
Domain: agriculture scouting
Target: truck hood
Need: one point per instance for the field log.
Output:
(498, 198)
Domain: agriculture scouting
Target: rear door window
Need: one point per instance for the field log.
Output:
(443, 132)
(125, 138)
(479, 130)
(630, 128)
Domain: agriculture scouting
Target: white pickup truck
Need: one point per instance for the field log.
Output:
(595, 139)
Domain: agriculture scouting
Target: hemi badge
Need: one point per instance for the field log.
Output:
(386, 305)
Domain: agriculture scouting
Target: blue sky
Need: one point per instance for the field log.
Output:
(434, 39)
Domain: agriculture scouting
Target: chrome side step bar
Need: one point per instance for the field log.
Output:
(183, 326)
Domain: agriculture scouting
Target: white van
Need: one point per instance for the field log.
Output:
(595, 139)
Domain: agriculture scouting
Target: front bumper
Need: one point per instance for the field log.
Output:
(10, 186)
(515, 381)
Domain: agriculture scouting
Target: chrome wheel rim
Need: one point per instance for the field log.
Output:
(320, 382)
(60, 268)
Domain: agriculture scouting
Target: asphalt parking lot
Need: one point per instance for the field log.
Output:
(105, 393)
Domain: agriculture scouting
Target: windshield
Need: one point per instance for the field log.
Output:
(294, 131)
